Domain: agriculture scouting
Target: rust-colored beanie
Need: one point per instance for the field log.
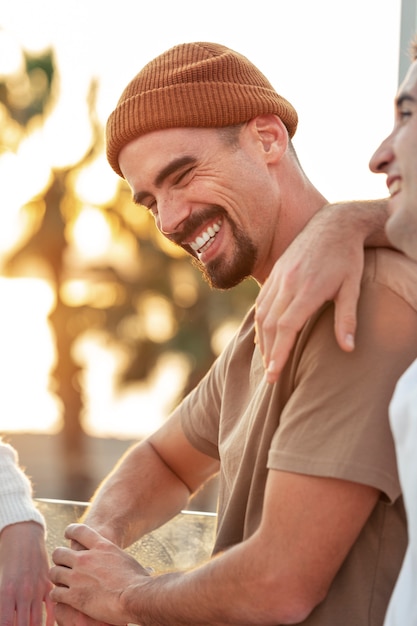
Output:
(193, 85)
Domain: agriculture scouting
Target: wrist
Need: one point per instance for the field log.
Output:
(363, 219)
(137, 599)
(111, 531)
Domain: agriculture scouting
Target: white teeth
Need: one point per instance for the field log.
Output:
(395, 187)
(205, 236)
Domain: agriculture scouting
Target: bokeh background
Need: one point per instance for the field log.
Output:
(104, 326)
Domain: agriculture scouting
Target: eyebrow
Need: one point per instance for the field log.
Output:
(404, 97)
(169, 169)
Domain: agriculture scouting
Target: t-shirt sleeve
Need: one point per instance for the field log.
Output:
(336, 423)
(202, 410)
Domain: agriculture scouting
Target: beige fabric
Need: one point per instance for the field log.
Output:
(326, 416)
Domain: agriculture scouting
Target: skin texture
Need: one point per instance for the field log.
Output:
(279, 574)
(397, 158)
(24, 579)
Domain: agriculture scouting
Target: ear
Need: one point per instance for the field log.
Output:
(272, 135)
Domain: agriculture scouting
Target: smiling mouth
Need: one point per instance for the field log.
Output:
(206, 238)
(395, 187)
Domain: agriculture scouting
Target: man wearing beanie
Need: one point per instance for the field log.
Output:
(311, 525)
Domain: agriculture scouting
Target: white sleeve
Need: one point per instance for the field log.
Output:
(16, 502)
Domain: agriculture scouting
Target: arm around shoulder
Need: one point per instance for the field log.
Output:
(323, 263)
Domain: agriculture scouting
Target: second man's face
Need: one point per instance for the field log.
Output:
(397, 158)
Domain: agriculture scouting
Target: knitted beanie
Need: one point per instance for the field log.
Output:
(202, 85)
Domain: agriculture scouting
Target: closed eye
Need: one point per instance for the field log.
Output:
(405, 106)
(148, 203)
(404, 113)
(184, 176)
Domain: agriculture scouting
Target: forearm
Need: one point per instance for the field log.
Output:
(138, 496)
(248, 584)
(236, 588)
(377, 237)
(365, 218)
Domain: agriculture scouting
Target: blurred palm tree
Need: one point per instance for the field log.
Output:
(117, 295)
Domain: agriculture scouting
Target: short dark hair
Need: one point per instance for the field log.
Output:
(230, 134)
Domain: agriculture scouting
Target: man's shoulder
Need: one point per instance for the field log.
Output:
(394, 270)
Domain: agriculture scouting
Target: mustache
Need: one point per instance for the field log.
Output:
(193, 223)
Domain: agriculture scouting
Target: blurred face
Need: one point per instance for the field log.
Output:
(207, 195)
(397, 158)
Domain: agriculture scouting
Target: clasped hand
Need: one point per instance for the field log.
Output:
(91, 579)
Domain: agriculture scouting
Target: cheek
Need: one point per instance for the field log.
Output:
(405, 146)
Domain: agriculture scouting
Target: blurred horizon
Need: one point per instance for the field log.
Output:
(104, 325)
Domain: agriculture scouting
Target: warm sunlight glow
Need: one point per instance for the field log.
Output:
(64, 143)
(96, 51)
(137, 409)
(11, 57)
(223, 334)
(156, 317)
(32, 167)
(91, 233)
(100, 295)
(26, 357)
(95, 184)
(22, 176)
(184, 285)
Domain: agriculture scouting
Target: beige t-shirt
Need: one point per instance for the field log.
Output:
(326, 416)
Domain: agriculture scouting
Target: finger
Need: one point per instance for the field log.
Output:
(63, 556)
(36, 613)
(286, 329)
(267, 316)
(22, 615)
(59, 594)
(346, 316)
(82, 534)
(77, 546)
(60, 577)
(49, 609)
(284, 341)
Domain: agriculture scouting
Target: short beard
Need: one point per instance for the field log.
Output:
(221, 275)
(218, 274)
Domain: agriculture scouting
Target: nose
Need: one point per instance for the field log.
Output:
(382, 156)
(173, 210)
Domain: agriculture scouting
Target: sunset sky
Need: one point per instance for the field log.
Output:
(337, 62)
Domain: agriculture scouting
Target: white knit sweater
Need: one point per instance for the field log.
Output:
(16, 502)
